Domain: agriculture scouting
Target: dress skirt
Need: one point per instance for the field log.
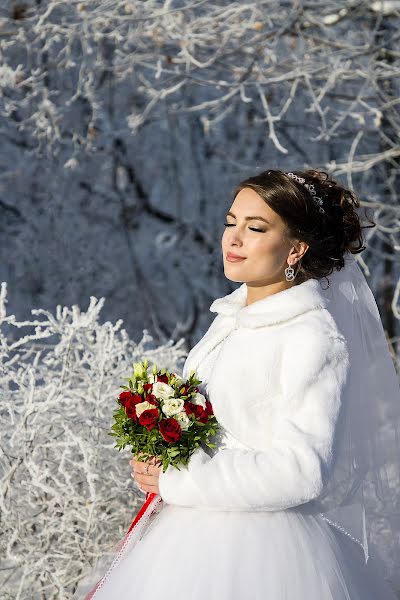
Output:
(203, 554)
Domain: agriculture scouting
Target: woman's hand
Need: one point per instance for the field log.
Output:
(146, 481)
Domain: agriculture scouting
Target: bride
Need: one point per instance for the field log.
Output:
(284, 506)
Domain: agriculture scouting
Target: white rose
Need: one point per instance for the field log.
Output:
(143, 406)
(198, 399)
(162, 390)
(172, 406)
(183, 420)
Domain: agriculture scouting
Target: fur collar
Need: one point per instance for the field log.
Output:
(278, 307)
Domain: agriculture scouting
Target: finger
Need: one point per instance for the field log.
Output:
(144, 468)
(140, 481)
(139, 466)
(146, 483)
(148, 487)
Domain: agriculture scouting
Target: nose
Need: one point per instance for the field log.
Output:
(234, 237)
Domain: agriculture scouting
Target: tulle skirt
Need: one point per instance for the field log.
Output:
(196, 554)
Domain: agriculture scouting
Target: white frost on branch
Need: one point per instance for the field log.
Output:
(221, 51)
(66, 495)
(386, 7)
(9, 77)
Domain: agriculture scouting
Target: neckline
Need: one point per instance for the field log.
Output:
(280, 306)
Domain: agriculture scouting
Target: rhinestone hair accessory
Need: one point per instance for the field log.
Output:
(310, 187)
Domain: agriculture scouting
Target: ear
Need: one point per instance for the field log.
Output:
(298, 250)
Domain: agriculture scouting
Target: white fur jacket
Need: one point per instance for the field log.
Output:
(276, 387)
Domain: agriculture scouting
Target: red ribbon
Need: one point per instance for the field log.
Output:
(149, 498)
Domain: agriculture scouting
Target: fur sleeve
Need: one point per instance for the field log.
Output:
(293, 469)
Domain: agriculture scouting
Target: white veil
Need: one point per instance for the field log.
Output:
(362, 496)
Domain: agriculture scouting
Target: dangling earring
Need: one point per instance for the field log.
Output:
(289, 272)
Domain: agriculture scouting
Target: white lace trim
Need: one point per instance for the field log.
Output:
(343, 530)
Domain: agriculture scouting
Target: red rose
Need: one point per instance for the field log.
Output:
(197, 410)
(147, 387)
(129, 401)
(149, 418)
(170, 430)
(209, 409)
(130, 409)
(152, 399)
(163, 378)
(204, 417)
(188, 407)
(124, 397)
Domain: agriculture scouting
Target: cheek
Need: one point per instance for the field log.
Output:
(268, 251)
(265, 244)
(225, 235)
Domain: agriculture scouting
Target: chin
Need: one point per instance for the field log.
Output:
(233, 277)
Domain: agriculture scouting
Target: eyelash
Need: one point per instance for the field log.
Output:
(252, 228)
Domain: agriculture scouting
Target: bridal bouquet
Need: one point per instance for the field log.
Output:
(159, 414)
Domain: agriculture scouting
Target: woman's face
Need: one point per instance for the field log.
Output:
(260, 242)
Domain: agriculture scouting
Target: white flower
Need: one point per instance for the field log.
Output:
(183, 420)
(198, 399)
(142, 406)
(152, 378)
(162, 390)
(172, 406)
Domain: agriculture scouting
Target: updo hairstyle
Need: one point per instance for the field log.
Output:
(328, 234)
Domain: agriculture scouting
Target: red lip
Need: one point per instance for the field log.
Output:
(234, 257)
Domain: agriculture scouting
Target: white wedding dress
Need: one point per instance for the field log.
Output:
(207, 554)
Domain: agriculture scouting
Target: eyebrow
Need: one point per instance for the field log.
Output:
(250, 218)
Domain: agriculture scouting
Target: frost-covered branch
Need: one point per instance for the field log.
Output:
(66, 495)
(249, 49)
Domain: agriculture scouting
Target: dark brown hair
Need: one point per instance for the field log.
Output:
(330, 234)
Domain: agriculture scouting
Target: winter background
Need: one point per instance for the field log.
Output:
(125, 126)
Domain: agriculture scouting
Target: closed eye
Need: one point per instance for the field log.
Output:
(252, 228)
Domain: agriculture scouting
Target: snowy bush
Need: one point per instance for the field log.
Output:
(66, 494)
